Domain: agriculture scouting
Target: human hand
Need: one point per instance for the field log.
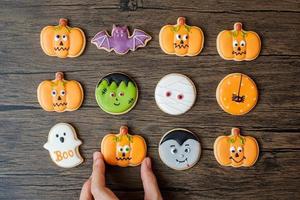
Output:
(95, 188)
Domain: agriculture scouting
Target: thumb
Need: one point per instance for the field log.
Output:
(98, 174)
(149, 181)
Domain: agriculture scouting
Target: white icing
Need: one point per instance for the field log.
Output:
(175, 94)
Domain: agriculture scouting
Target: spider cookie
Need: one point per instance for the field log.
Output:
(175, 94)
(116, 93)
(237, 94)
(238, 44)
(179, 149)
(181, 39)
(123, 149)
(59, 94)
(236, 150)
(62, 40)
(120, 41)
(63, 146)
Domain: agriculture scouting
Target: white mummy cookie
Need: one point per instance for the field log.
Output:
(179, 149)
(175, 94)
(63, 146)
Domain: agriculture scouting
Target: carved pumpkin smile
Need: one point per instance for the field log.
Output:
(236, 160)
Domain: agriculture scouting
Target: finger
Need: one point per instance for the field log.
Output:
(98, 174)
(149, 181)
(86, 191)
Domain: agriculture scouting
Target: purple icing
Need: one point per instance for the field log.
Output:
(120, 41)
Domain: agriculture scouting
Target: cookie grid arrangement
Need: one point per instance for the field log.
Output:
(175, 94)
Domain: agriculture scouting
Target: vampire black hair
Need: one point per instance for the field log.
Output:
(180, 136)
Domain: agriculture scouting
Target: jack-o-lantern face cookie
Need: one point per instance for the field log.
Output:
(238, 44)
(181, 39)
(59, 94)
(179, 149)
(123, 149)
(236, 150)
(62, 41)
(175, 94)
(237, 94)
(116, 93)
(63, 146)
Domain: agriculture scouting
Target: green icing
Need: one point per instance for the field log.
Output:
(110, 98)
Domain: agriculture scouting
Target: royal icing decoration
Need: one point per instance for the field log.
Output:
(116, 93)
(123, 149)
(62, 40)
(238, 44)
(181, 39)
(237, 94)
(120, 40)
(63, 146)
(236, 150)
(59, 94)
(179, 149)
(175, 94)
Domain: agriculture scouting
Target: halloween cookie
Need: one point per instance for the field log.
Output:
(120, 41)
(237, 94)
(175, 94)
(123, 149)
(116, 93)
(179, 149)
(181, 39)
(59, 94)
(63, 146)
(62, 40)
(238, 44)
(236, 150)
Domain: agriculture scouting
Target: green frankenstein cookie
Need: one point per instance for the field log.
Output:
(116, 93)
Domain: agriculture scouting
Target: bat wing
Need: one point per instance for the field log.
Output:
(139, 39)
(101, 40)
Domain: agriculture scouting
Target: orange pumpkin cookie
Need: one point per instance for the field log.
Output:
(123, 149)
(236, 150)
(181, 39)
(62, 41)
(59, 94)
(237, 94)
(238, 44)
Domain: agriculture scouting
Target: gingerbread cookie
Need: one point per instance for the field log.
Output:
(179, 149)
(236, 150)
(63, 146)
(120, 40)
(62, 40)
(116, 93)
(181, 39)
(237, 94)
(238, 44)
(59, 94)
(123, 149)
(175, 94)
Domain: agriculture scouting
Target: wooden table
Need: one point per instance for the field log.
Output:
(27, 171)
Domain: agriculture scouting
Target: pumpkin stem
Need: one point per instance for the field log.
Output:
(124, 130)
(235, 131)
(181, 21)
(238, 26)
(59, 76)
(63, 22)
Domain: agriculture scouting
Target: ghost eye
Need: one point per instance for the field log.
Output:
(180, 96)
(185, 37)
(112, 94)
(53, 92)
(64, 134)
(174, 151)
(62, 93)
(56, 37)
(243, 43)
(65, 38)
(187, 150)
(240, 149)
(168, 94)
(235, 43)
(57, 135)
(232, 149)
(178, 37)
(121, 94)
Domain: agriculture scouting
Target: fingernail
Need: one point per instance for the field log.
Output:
(148, 162)
(96, 156)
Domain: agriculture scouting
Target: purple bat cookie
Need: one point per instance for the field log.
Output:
(120, 41)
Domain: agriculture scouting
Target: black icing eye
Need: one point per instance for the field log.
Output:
(232, 149)
(174, 151)
(187, 150)
(56, 37)
(57, 135)
(64, 134)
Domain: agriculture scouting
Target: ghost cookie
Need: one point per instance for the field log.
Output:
(179, 149)
(63, 146)
(237, 94)
(116, 93)
(175, 94)
(236, 150)
(123, 149)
